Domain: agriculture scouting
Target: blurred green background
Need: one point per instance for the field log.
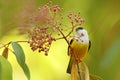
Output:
(102, 20)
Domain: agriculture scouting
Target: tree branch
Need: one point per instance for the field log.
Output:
(10, 43)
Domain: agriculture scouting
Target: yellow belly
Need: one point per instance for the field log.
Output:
(79, 49)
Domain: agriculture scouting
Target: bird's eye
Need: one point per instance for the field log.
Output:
(82, 34)
(77, 40)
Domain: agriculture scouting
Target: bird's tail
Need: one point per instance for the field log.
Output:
(72, 69)
(69, 67)
(74, 72)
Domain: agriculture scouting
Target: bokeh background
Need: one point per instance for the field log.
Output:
(102, 20)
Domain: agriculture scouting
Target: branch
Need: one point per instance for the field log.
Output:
(71, 30)
(10, 43)
(64, 37)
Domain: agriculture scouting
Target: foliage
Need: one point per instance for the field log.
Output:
(21, 58)
(94, 77)
(5, 69)
(102, 21)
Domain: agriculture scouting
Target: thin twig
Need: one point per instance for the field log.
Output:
(5, 45)
(11, 51)
(64, 37)
(70, 31)
(10, 43)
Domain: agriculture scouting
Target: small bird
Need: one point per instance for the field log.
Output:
(78, 48)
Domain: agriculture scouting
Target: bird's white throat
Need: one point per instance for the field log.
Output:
(82, 36)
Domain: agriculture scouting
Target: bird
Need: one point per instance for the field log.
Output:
(77, 49)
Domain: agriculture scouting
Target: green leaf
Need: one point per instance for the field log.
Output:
(19, 53)
(5, 69)
(26, 70)
(95, 77)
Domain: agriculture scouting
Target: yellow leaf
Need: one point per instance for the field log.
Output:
(86, 71)
(95, 77)
(5, 53)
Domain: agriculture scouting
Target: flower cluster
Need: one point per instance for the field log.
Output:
(40, 40)
(43, 15)
(76, 19)
(44, 22)
(24, 19)
(46, 15)
(30, 17)
(45, 18)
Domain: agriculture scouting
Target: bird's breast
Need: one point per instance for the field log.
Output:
(79, 49)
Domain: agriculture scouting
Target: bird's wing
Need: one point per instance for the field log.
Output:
(89, 45)
(69, 66)
(70, 61)
(69, 45)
